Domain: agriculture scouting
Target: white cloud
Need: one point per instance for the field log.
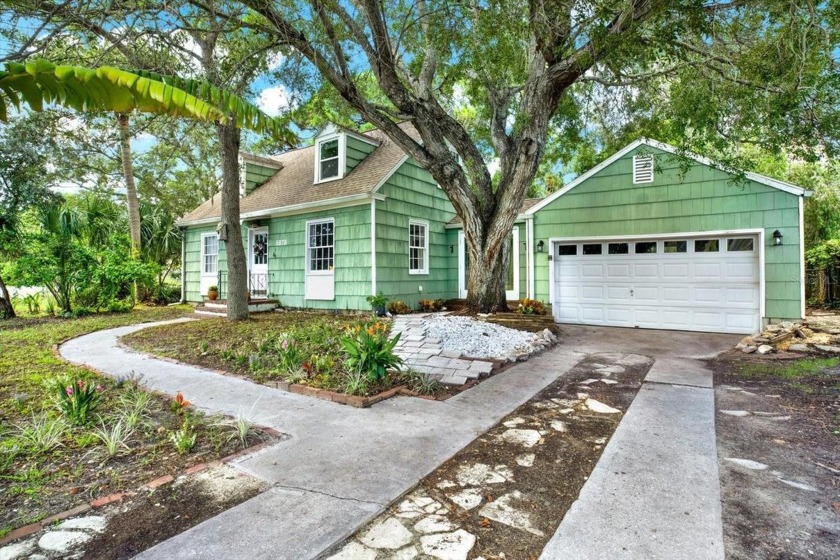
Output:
(274, 100)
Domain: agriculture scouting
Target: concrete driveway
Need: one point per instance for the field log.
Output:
(343, 466)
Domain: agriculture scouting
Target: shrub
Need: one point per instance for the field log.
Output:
(370, 351)
(77, 399)
(378, 303)
(531, 307)
(398, 308)
(42, 434)
(429, 305)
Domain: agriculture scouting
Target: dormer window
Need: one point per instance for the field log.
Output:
(330, 162)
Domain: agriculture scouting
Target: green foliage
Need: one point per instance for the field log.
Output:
(824, 255)
(115, 438)
(792, 370)
(377, 303)
(77, 399)
(421, 383)
(184, 439)
(42, 433)
(398, 308)
(370, 351)
(530, 307)
(430, 305)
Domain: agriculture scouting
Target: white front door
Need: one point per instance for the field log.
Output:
(209, 262)
(706, 283)
(320, 260)
(258, 262)
(512, 278)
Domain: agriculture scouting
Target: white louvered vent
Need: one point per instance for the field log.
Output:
(643, 169)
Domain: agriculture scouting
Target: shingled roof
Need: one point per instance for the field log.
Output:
(294, 184)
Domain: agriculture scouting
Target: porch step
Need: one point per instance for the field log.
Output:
(219, 307)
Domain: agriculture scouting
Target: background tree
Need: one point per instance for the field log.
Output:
(727, 71)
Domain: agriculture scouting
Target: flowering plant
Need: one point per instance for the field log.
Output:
(77, 399)
(289, 356)
(370, 351)
(180, 404)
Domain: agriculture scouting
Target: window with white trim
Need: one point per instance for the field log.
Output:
(320, 246)
(329, 159)
(210, 253)
(643, 169)
(418, 247)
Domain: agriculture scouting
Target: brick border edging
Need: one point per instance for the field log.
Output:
(150, 486)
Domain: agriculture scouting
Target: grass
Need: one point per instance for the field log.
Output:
(47, 465)
(792, 370)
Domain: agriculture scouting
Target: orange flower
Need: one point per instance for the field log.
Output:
(370, 331)
(181, 401)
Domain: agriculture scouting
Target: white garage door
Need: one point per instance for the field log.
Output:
(701, 284)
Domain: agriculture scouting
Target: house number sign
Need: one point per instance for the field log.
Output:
(281, 242)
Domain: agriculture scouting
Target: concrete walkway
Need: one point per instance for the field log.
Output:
(341, 467)
(655, 492)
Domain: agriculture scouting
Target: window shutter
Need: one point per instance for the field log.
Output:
(643, 169)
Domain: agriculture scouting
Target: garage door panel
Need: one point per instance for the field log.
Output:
(709, 291)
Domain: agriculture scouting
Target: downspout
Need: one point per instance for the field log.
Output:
(529, 237)
(183, 265)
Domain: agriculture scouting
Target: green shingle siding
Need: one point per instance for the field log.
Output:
(701, 199)
(256, 175)
(357, 150)
(411, 193)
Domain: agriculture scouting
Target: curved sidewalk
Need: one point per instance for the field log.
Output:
(341, 466)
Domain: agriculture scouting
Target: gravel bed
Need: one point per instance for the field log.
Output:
(478, 339)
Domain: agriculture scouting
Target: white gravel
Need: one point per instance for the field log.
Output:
(478, 339)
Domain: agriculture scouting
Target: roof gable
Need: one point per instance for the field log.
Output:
(758, 178)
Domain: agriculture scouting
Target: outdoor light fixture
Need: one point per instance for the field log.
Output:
(777, 237)
(451, 249)
(540, 246)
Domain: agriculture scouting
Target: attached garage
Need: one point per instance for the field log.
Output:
(710, 282)
(653, 239)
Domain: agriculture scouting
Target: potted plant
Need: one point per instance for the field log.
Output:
(378, 303)
(212, 293)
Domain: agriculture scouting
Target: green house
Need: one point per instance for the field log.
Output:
(647, 239)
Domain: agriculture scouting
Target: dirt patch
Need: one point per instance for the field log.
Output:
(504, 495)
(780, 422)
(169, 510)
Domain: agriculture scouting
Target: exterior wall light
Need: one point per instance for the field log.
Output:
(541, 246)
(777, 237)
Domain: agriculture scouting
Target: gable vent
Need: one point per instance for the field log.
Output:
(643, 169)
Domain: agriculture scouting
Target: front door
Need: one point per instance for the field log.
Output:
(320, 260)
(511, 275)
(258, 262)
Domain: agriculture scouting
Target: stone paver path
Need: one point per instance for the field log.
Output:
(424, 354)
(65, 540)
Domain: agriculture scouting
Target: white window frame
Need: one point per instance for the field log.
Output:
(425, 225)
(204, 236)
(342, 159)
(309, 270)
(637, 180)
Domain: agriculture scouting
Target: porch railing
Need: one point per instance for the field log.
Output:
(259, 284)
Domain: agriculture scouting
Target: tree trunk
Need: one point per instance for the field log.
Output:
(237, 266)
(132, 202)
(7, 310)
(486, 279)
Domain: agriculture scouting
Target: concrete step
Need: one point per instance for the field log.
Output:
(219, 307)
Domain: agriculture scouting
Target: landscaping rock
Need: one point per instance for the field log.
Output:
(478, 339)
(765, 349)
(503, 510)
(434, 524)
(387, 534)
(448, 546)
(800, 348)
(525, 460)
(407, 553)
(62, 541)
(826, 348)
(749, 349)
(798, 485)
(747, 464)
(480, 474)
(559, 425)
(738, 413)
(95, 523)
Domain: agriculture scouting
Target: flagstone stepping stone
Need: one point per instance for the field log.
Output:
(95, 523)
(354, 551)
(738, 413)
(567, 411)
(388, 534)
(407, 553)
(448, 546)
(434, 524)
(525, 460)
(582, 396)
(514, 422)
(559, 426)
(17, 550)
(503, 510)
(747, 463)
(599, 407)
(588, 381)
(526, 438)
(609, 370)
(468, 498)
(609, 381)
(444, 484)
(566, 403)
(63, 541)
(479, 474)
(799, 485)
